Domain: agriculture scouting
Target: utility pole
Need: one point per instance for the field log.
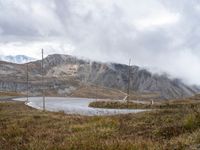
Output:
(43, 92)
(129, 73)
(96, 91)
(27, 82)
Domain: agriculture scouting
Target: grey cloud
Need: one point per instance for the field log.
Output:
(18, 18)
(108, 32)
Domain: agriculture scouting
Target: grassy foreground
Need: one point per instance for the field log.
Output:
(22, 128)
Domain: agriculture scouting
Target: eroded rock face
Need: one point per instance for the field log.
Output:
(64, 74)
(116, 76)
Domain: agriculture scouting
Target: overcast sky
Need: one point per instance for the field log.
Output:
(163, 35)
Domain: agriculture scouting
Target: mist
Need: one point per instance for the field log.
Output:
(162, 36)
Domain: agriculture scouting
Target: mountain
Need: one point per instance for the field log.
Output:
(19, 59)
(65, 74)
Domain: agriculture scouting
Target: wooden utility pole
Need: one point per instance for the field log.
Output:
(96, 91)
(129, 74)
(27, 82)
(43, 91)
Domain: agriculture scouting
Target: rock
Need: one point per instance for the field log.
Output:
(64, 73)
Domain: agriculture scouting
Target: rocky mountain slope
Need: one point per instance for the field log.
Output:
(64, 74)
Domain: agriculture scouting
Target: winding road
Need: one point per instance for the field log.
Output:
(74, 106)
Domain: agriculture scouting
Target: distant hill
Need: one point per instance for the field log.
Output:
(19, 59)
(65, 74)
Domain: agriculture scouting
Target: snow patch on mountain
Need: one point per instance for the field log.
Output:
(18, 59)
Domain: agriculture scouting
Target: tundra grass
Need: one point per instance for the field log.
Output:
(133, 105)
(22, 128)
(9, 94)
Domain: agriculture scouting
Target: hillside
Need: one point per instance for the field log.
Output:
(65, 74)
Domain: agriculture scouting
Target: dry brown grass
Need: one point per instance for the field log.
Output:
(171, 104)
(98, 92)
(26, 128)
(144, 96)
(119, 105)
(7, 94)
